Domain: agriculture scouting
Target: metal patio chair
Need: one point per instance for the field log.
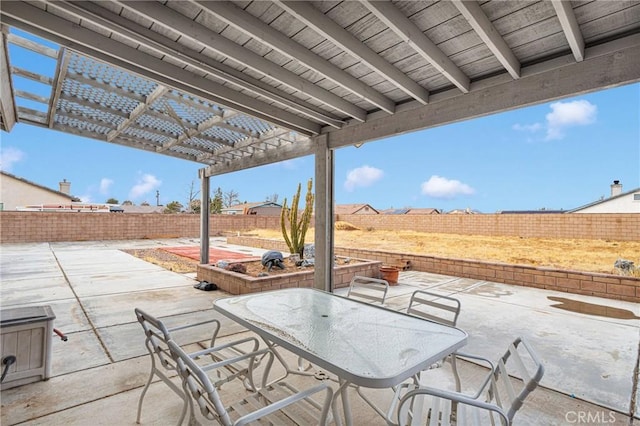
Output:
(502, 393)
(368, 290)
(274, 404)
(236, 356)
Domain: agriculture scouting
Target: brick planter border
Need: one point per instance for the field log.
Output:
(236, 283)
(588, 283)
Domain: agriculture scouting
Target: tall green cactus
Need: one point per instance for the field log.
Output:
(298, 227)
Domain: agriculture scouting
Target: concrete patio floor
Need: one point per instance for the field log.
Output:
(591, 359)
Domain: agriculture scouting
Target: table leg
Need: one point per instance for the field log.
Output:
(346, 406)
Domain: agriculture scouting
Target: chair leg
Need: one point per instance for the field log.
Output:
(144, 391)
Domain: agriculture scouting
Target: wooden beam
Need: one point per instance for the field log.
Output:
(58, 30)
(113, 22)
(345, 40)
(62, 66)
(33, 46)
(570, 27)
(411, 34)
(138, 111)
(614, 64)
(7, 103)
(490, 36)
(162, 15)
(257, 29)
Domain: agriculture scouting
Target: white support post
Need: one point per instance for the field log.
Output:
(324, 164)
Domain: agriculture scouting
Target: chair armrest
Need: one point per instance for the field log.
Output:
(188, 326)
(211, 350)
(278, 405)
(487, 378)
(454, 397)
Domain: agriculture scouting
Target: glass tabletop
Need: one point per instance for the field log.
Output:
(366, 345)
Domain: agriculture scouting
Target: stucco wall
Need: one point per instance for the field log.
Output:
(14, 193)
(626, 204)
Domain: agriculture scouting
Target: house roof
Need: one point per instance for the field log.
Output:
(28, 182)
(605, 200)
(244, 206)
(423, 211)
(350, 208)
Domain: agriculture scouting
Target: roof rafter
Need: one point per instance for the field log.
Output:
(138, 111)
(162, 15)
(257, 29)
(570, 27)
(411, 34)
(346, 41)
(39, 22)
(113, 22)
(487, 32)
(7, 107)
(58, 81)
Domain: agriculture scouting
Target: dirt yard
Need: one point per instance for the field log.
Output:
(568, 254)
(577, 255)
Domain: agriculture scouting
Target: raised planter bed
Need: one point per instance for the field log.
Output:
(236, 283)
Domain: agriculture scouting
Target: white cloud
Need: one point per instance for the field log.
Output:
(146, 183)
(527, 127)
(439, 187)
(105, 185)
(362, 177)
(8, 157)
(562, 115)
(566, 114)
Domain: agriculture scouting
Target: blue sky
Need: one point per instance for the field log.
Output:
(556, 155)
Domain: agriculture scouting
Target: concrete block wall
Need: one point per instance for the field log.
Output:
(611, 226)
(593, 284)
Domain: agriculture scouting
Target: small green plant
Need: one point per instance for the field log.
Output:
(297, 226)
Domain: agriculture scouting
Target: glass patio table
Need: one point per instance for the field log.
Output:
(361, 344)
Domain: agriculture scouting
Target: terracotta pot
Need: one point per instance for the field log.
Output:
(389, 274)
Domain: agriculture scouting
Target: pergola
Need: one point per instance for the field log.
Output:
(236, 85)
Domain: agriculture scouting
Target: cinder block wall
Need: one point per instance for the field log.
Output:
(593, 284)
(22, 227)
(27, 227)
(596, 226)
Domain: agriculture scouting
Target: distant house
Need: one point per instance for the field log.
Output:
(354, 209)
(410, 210)
(264, 208)
(541, 211)
(464, 211)
(618, 202)
(17, 192)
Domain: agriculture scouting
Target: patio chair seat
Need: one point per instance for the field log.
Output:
(234, 357)
(279, 403)
(502, 393)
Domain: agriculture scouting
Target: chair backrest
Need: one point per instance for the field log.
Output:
(158, 334)
(434, 307)
(369, 290)
(516, 374)
(197, 383)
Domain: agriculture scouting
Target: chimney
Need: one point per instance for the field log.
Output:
(66, 187)
(616, 188)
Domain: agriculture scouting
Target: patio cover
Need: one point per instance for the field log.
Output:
(235, 85)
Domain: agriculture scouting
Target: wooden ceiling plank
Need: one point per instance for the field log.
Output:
(343, 38)
(39, 22)
(473, 13)
(411, 34)
(188, 28)
(180, 52)
(267, 35)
